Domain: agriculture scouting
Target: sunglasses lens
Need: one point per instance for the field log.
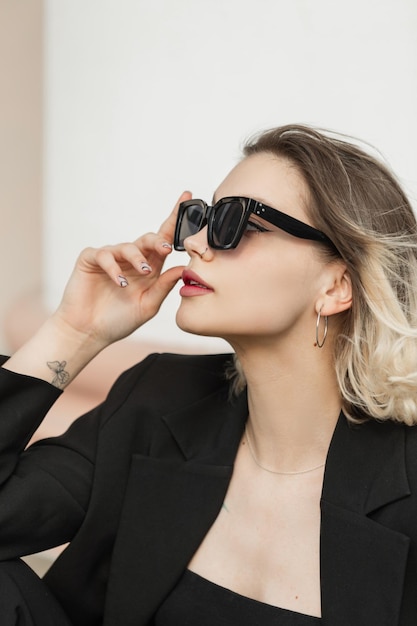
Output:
(189, 222)
(227, 222)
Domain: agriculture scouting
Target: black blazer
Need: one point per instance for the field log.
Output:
(137, 483)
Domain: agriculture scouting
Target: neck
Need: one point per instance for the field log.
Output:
(294, 404)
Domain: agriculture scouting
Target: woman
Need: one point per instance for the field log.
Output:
(276, 486)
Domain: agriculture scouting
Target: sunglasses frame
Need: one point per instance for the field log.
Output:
(285, 222)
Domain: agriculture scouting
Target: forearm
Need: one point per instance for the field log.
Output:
(56, 353)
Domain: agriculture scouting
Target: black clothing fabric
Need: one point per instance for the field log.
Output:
(195, 601)
(136, 484)
(25, 600)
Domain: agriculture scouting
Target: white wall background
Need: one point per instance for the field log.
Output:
(146, 98)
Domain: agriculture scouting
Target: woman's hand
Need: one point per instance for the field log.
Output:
(115, 289)
(111, 292)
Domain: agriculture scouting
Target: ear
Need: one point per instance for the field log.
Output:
(337, 292)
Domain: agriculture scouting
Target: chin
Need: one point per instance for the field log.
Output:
(192, 329)
(189, 324)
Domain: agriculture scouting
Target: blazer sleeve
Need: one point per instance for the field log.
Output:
(44, 489)
(25, 600)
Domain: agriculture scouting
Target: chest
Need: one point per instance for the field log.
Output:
(265, 542)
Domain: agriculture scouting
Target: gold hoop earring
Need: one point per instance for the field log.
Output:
(319, 343)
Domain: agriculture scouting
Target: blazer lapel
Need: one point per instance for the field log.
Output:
(362, 561)
(171, 504)
(174, 495)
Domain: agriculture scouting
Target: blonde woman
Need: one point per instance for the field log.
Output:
(273, 485)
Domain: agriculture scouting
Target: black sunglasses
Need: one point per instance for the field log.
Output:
(227, 220)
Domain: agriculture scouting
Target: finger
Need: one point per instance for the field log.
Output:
(154, 249)
(111, 259)
(133, 255)
(161, 242)
(107, 262)
(165, 283)
(167, 228)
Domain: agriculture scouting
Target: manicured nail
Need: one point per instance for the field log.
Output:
(122, 281)
(145, 267)
(167, 245)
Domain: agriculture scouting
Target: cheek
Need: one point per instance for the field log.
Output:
(276, 286)
(259, 295)
(262, 291)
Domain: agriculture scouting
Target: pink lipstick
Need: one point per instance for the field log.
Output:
(194, 285)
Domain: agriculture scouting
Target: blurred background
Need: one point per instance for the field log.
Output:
(109, 109)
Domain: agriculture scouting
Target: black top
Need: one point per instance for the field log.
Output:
(196, 601)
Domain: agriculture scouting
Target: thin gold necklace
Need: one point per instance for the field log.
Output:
(266, 469)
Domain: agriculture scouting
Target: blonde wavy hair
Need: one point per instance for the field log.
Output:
(359, 204)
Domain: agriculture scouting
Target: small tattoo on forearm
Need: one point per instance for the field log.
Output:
(61, 376)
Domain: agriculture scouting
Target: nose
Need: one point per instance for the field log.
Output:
(198, 244)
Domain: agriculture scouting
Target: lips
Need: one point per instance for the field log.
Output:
(194, 285)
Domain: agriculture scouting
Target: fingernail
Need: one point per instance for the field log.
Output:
(145, 267)
(167, 245)
(122, 281)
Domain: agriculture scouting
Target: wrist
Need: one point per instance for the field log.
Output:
(56, 353)
(73, 340)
